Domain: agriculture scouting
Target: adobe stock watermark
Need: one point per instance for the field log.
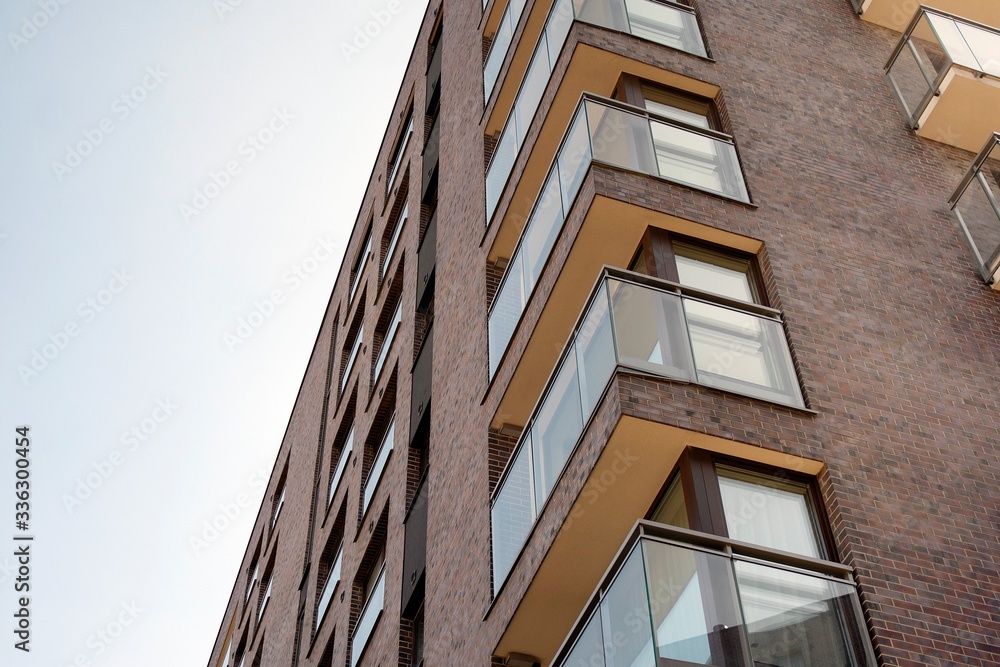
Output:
(102, 639)
(247, 151)
(131, 440)
(294, 277)
(87, 311)
(121, 108)
(32, 25)
(363, 35)
(212, 528)
(224, 8)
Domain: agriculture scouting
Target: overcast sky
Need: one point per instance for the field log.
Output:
(178, 183)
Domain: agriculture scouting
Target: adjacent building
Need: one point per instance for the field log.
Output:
(667, 334)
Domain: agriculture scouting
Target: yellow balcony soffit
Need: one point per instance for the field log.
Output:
(896, 14)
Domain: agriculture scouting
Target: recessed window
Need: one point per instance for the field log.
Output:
(374, 597)
(341, 464)
(379, 463)
(356, 336)
(394, 238)
(399, 151)
(388, 337)
(772, 508)
(330, 585)
(359, 262)
(279, 498)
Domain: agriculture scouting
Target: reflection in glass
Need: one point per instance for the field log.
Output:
(556, 429)
(625, 618)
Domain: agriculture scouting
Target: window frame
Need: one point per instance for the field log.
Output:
(360, 262)
(390, 250)
(402, 142)
(340, 467)
(629, 90)
(697, 472)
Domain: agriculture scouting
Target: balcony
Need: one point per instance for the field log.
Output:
(650, 326)
(678, 597)
(664, 22)
(617, 135)
(896, 14)
(946, 73)
(976, 204)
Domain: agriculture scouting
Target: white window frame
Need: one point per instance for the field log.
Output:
(338, 471)
(267, 596)
(361, 262)
(390, 336)
(378, 469)
(390, 251)
(280, 504)
(352, 357)
(332, 580)
(397, 160)
(378, 593)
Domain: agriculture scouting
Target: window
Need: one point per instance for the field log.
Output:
(341, 464)
(359, 262)
(374, 596)
(389, 337)
(394, 239)
(253, 576)
(332, 579)
(353, 354)
(265, 597)
(379, 464)
(772, 508)
(399, 150)
(278, 504)
(689, 141)
(418, 639)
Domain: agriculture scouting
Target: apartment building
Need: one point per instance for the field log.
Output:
(667, 334)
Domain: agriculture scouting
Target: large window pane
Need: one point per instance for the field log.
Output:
(607, 13)
(694, 605)
(625, 618)
(649, 330)
(768, 511)
(795, 619)
(512, 514)
(556, 429)
(714, 278)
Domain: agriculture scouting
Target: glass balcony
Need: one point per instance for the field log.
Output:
(678, 597)
(976, 204)
(662, 21)
(946, 73)
(652, 326)
(501, 44)
(896, 14)
(622, 136)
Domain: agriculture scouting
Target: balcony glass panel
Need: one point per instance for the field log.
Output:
(338, 472)
(498, 52)
(556, 429)
(625, 618)
(932, 43)
(741, 352)
(642, 326)
(694, 604)
(664, 22)
(674, 604)
(621, 136)
(378, 467)
(513, 513)
(650, 331)
(332, 580)
(589, 648)
(370, 615)
(976, 204)
(793, 618)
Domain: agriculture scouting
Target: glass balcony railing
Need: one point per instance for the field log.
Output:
(678, 597)
(932, 45)
(652, 326)
(622, 136)
(662, 21)
(976, 204)
(501, 44)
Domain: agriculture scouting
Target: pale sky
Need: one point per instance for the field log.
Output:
(178, 183)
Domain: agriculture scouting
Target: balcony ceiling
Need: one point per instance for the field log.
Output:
(621, 488)
(966, 113)
(896, 14)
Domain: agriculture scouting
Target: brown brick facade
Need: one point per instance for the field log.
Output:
(895, 340)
